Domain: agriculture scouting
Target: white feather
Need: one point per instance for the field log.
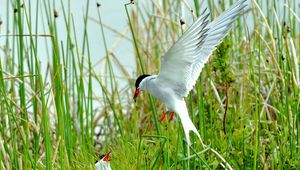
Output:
(183, 62)
(102, 165)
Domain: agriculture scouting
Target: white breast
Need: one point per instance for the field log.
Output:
(161, 92)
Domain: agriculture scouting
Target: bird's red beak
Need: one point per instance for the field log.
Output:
(136, 94)
(107, 157)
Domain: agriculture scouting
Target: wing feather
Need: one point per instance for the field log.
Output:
(218, 29)
(183, 62)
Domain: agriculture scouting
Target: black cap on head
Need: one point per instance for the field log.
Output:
(139, 79)
(100, 157)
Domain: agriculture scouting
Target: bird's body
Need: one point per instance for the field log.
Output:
(182, 63)
(104, 162)
(161, 92)
(172, 100)
(102, 166)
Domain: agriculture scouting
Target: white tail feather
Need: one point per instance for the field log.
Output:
(187, 122)
(188, 126)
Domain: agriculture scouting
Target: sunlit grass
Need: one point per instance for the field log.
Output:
(48, 115)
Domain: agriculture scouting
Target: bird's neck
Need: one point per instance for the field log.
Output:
(147, 81)
(152, 77)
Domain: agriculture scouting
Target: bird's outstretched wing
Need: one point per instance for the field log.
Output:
(183, 62)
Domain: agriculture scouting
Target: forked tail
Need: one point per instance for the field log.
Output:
(187, 123)
(189, 126)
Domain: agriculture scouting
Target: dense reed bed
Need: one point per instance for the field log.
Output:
(49, 109)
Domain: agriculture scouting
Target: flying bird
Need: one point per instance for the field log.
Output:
(182, 63)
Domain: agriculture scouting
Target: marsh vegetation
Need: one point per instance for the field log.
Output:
(48, 114)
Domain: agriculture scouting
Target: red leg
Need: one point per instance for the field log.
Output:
(163, 116)
(171, 116)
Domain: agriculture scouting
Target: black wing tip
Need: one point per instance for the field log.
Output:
(139, 80)
(205, 12)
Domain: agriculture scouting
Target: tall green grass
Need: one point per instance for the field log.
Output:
(48, 115)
